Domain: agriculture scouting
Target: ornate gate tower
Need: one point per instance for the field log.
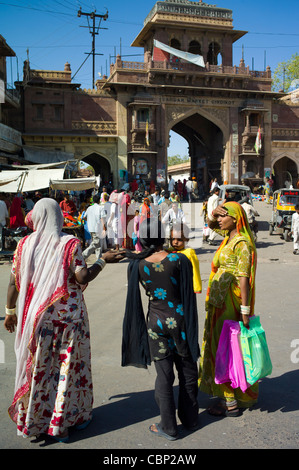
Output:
(188, 84)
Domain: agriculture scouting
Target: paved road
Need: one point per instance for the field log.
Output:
(124, 405)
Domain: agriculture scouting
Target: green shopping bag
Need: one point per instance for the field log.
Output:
(255, 352)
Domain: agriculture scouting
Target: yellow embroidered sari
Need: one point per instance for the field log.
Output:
(234, 259)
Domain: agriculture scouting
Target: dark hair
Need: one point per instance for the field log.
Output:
(297, 207)
(151, 236)
(181, 228)
(96, 198)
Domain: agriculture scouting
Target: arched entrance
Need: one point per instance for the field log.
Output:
(100, 165)
(285, 169)
(205, 140)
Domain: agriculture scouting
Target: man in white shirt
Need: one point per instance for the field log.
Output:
(189, 188)
(96, 223)
(171, 184)
(251, 212)
(172, 216)
(155, 197)
(4, 218)
(213, 202)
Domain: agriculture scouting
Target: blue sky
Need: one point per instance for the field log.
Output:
(54, 34)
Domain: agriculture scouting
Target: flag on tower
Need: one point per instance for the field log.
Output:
(147, 134)
(258, 141)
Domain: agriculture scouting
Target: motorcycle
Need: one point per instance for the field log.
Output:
(11, 237)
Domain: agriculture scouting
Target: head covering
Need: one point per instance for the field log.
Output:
(42, 263)
(235, 210)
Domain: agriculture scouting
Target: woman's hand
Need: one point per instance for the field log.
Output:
(220, 210)
(245, 320)
(113, 256)
(10, 323)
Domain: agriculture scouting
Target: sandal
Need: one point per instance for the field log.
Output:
(83, 425)
(62, 437)
(221, 411)
(159, 432)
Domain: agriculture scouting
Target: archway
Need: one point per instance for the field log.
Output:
(206, 151)
(285, 169)
(100, 165)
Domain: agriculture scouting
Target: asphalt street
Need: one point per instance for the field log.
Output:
(124, 405)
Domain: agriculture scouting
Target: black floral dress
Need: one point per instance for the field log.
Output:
(165, 318)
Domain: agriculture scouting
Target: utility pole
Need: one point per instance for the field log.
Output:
(93, 31)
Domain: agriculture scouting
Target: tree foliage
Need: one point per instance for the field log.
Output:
(177, 160)
(286, 74)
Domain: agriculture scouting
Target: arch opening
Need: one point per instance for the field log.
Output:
(100, 166)
(206, 151)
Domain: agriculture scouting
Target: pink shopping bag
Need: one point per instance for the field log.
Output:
(229, 367)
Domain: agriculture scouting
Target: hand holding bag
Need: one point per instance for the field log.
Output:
(229, 366)
(256, 356)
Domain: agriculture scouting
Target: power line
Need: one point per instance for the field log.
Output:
(93, 31)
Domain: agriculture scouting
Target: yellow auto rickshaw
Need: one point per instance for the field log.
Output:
(284, 202)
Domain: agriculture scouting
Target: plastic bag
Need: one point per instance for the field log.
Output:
(229, 366)
(256, 356)
(134, 238)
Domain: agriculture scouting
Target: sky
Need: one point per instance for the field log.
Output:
(50, 33)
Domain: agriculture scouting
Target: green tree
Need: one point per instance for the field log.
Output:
(176, 160)
(285, 74)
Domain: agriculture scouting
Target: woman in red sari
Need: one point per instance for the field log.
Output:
(16, 214)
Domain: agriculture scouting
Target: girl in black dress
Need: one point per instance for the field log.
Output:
(169, 334)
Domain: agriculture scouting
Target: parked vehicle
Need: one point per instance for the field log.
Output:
(234, 192)
(11, 237)
(284, 202)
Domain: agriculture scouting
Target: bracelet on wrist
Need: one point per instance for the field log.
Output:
(10, 311)
(245, 309)
(100, 262)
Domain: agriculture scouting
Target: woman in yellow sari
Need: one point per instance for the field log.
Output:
(230, 296)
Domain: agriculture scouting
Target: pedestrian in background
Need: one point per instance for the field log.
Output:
(211, 206)
(95, 217)
(295, 230)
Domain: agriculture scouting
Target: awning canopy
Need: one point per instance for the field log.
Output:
(76, 184)
(41, 155)
(15, 181)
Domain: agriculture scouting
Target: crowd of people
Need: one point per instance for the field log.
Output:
(53, 388)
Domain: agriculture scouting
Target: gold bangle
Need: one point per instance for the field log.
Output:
(10, 311)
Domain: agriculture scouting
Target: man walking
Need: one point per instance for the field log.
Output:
(96, 223)
(212, 204)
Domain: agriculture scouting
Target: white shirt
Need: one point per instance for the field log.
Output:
(93, 215)
(3, 213)
(171, 184)
(172, 216)
(214, 185)
(250, 211)
(155, 198)
(295, 222)
(212, 204)
(189, 186)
